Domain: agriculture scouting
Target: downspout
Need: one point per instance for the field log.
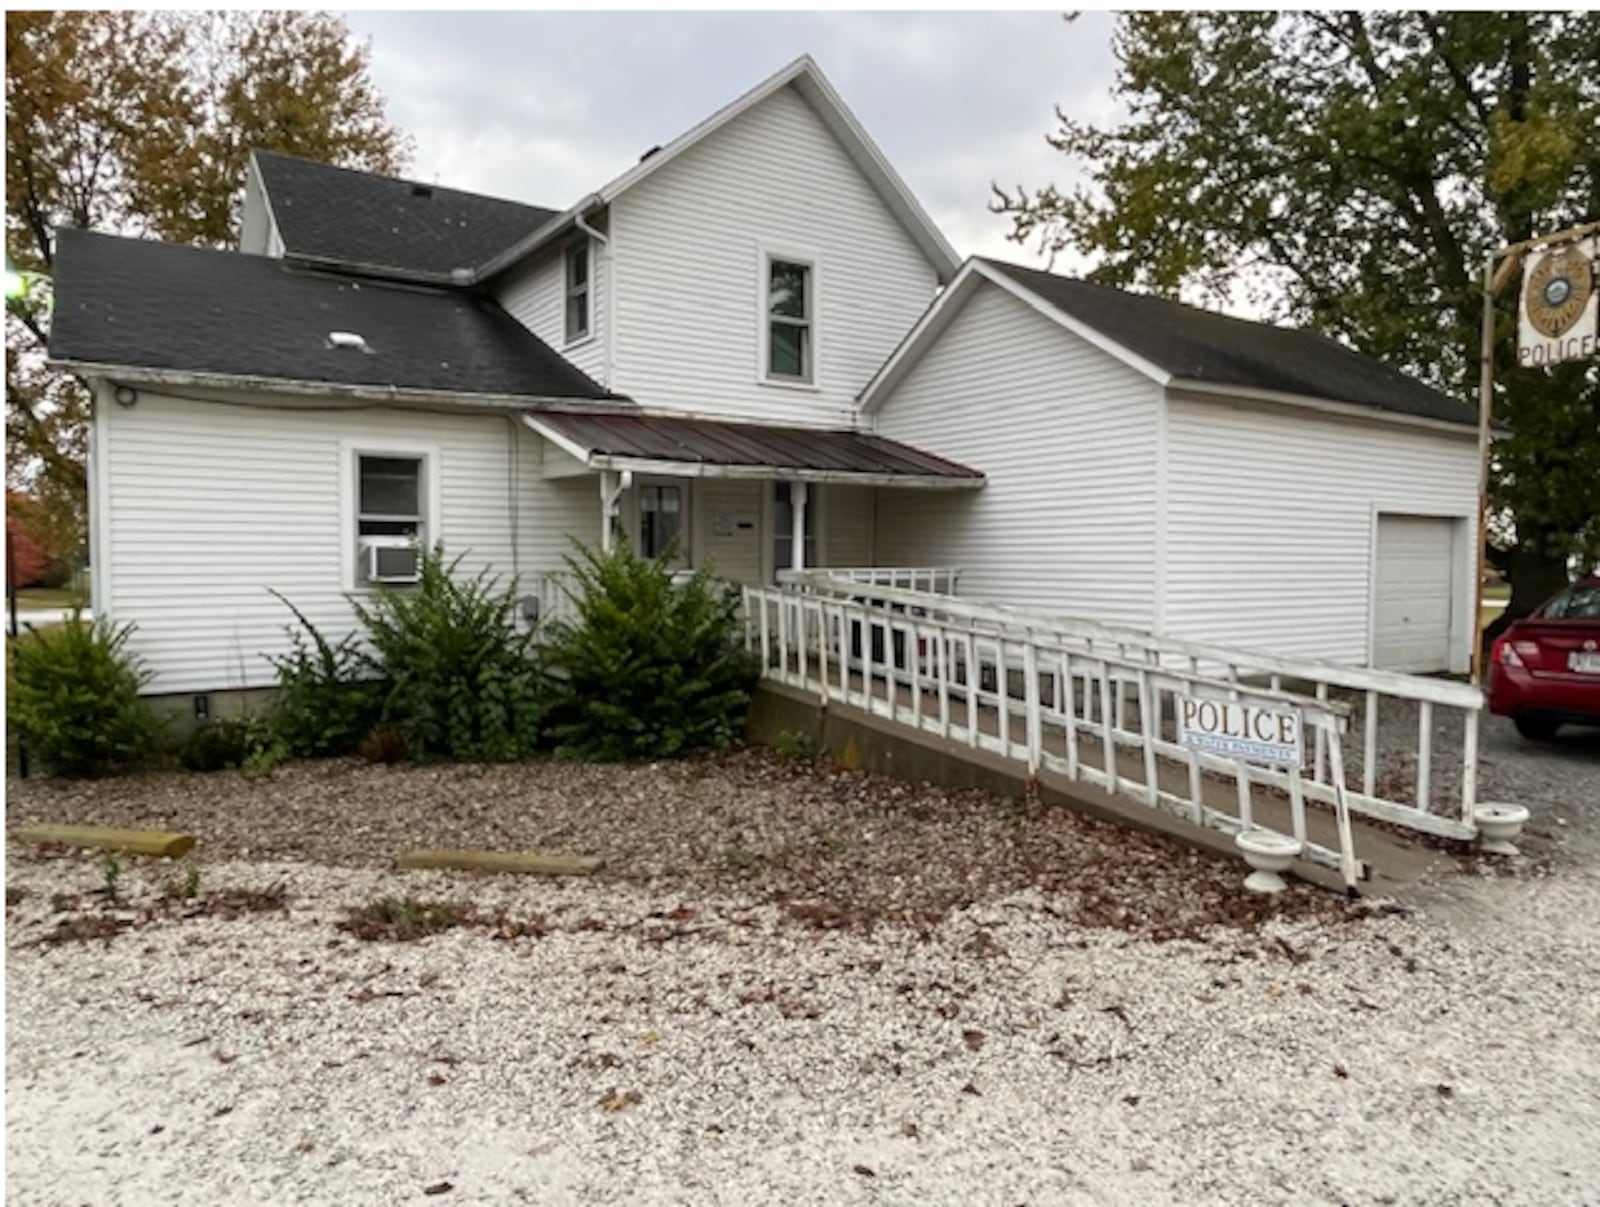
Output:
(582, 224)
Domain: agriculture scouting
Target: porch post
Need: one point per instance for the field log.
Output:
(797, 513)
(612, 484)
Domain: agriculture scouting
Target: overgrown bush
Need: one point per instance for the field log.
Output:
(650, 668)
(327, 699)
(459, 680)
(74, 698)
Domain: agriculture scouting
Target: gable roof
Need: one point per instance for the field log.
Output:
(1183, 347)
(143, 310)
(341, 216)
(807, 79)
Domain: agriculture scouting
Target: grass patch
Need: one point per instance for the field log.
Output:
(31, 599)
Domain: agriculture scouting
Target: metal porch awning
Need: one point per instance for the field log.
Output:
(681, 447)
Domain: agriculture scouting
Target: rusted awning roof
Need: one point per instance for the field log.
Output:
(704, 448)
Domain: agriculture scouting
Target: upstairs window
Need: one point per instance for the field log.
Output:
(790, 309)
(577, 291)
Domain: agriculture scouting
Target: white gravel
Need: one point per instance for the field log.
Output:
(1447, 1056)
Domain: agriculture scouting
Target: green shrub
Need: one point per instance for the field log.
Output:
(74, 698)
(649, 669)
(459, 681)
(215, 745)
(249, 741)
(327, 699)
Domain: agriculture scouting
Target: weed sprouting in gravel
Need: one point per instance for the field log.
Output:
(404, 919)
(111, 875)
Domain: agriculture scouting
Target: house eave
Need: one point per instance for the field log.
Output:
(1211, 392)
(327, 390)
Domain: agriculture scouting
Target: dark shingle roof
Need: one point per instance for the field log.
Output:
(1200, 345)
(361, 219)
(139, 303)
(747, 445)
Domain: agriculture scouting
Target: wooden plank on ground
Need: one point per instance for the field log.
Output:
(168, 843)
(538, 863)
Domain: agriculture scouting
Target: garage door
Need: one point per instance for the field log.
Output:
(1416, 580)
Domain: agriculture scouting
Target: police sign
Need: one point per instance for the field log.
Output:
(1558, 317)
(1257, 734)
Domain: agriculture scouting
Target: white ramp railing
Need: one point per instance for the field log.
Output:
(1394, 719)
(1044, 700)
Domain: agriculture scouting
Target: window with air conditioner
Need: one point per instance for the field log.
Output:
(391, 528)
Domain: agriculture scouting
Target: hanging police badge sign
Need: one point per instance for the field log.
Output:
(1557, 317)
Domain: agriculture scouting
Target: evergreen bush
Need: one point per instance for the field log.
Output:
(74, 698)
(650, 668)
(459, 680)
(327, 698)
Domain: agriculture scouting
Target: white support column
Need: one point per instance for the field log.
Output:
(797, 513)
(612, 484)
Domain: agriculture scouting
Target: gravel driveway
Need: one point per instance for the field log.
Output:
(821, 988)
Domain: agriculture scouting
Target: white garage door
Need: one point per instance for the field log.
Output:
(1416, 580)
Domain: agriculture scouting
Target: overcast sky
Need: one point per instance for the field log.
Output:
(544, 107)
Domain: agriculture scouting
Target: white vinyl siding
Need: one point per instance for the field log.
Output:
(535, 294)
(208, 506)
(1067, 437)
(728, 514)
(1271, 522)
(847, 524)
(691, 297)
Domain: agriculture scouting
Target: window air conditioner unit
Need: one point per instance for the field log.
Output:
(391, 559)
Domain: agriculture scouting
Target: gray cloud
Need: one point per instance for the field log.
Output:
(546, 106)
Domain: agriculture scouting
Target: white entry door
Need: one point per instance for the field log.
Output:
(1414, 593)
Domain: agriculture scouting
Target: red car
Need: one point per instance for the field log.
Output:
(1544, 671)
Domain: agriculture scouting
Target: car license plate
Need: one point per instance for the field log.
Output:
(1584, 662)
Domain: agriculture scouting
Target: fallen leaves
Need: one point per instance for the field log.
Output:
(616, 1101)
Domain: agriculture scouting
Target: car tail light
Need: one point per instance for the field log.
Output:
(1505, 653)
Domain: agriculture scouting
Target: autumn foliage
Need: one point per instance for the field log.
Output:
(26, 554)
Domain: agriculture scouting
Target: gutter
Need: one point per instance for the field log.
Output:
(537, 239)
(369, 393)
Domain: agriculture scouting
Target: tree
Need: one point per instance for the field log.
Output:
(25, 555)
(141, 123)
(1348, 172)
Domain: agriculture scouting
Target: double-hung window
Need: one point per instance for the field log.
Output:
(578, 292)
(791, 321)
(390, 517)
(783, 526)
(661, 521)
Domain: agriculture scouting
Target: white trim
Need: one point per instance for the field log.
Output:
(350, 449)
(818, 93)
(1158, 605)
(99, 485)
(766, 253)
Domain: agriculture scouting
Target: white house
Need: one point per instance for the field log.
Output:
(754, 344)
